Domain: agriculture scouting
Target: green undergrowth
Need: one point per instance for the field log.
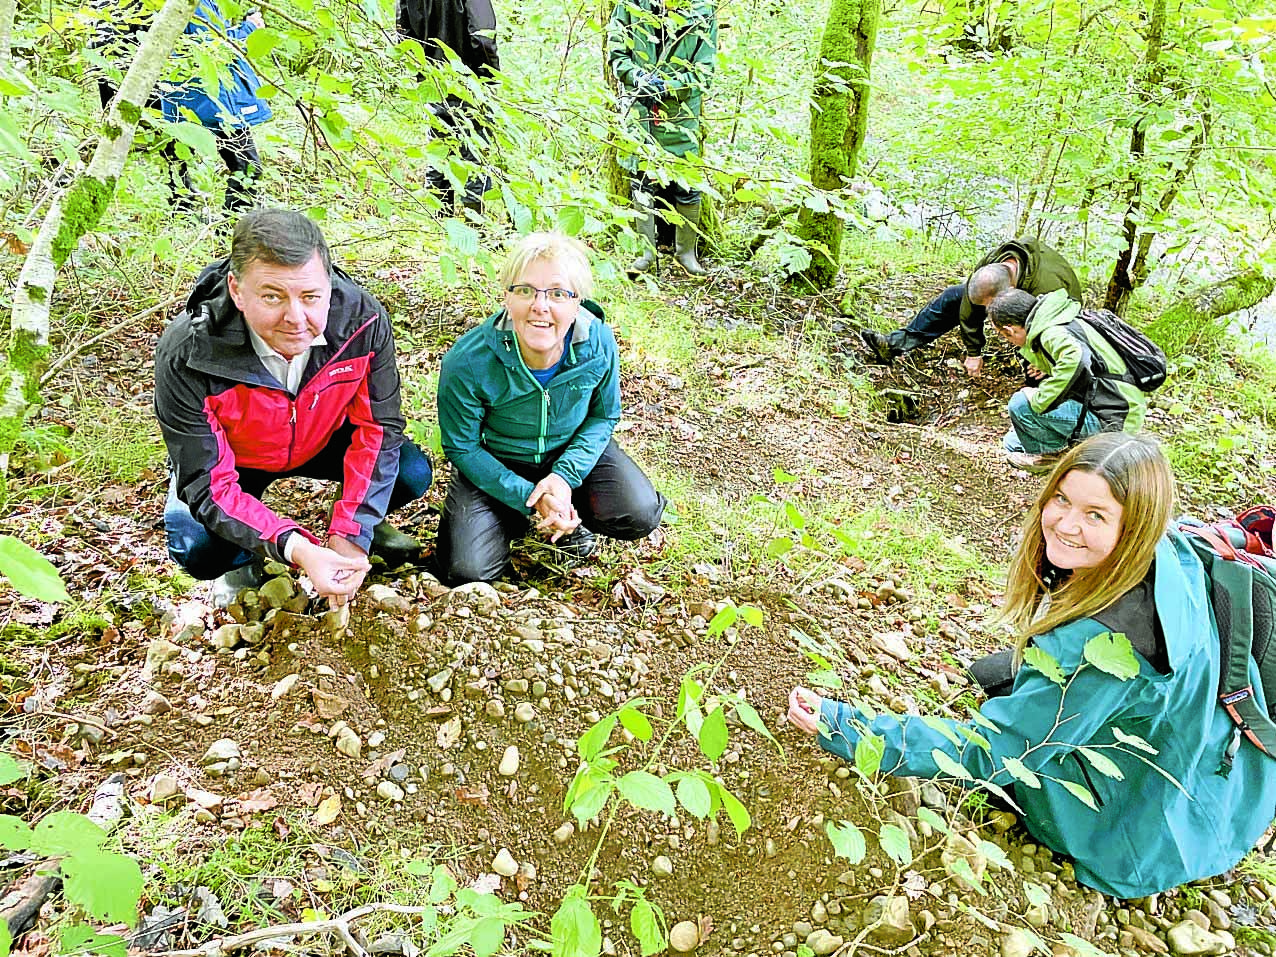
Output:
(114, 443)
(284, 871)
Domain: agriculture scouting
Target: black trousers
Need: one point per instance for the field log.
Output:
(993, 672)
(616, 499)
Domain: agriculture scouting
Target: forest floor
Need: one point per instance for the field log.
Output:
(441, 726)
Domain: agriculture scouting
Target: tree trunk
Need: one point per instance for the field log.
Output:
(1199, 311)
(1121, 283)
(8, 13)
(839, 123)
(75, 212)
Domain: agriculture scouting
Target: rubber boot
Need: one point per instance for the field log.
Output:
(686, 237)
(645, 224)
(393, 545)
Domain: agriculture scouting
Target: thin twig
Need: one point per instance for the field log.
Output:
(339, 925)
(107, 333)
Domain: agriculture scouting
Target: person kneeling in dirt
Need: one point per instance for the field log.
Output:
(528, 402)
(1026, 264)
(282, 365)
(1081, 390)
(1097, 558)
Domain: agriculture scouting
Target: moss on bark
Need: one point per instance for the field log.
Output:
(1194, 319)
(839, 123)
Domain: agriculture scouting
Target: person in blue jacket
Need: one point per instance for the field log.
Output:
(229, 113)
(1097, 560)
(527, 404)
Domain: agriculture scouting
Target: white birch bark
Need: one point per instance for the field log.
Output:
(75, 212)
(8, 13)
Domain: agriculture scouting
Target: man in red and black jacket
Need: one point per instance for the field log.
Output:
(282, 365)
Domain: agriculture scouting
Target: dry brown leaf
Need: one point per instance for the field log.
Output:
(329, 810)
(473, 794)
(257, 800)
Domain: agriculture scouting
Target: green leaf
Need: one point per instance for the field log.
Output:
(948, 766)
(782, 477)
(927, 816)
(847, 839)
(778, 547)
(574, 928)
(942, 727)
(636, 723)
(65, 832)
(738, 813)
(1044, 662)
(106, 885)
(1020, 772)
(593, 799)
(1037, 895)
(487, 936)
(30, 572)
(592, 742)
(896, 844)
(693, 794)
(869, 750)
(86, 940)
(1081, 793)
(995, 855)
(796, 519)
(978, 717)
(713, 734)
(644, 922)
(1002, 793)
(645, 790)
(1133, 740)
(960, 867)
(14, 833)
(723, 620)
(260, 42)
(461, 237)
(6, 939)
(441, 885)
(751, 719)
(751, 615)
(1102, 763)
(418, 868)
(1113, 654)
(571, 220)
(974, 737)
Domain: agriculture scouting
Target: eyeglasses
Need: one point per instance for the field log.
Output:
(528, 293)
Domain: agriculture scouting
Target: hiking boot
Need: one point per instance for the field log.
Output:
(580, 544)
(879, 347)
(228, 588)
(393, 545)
(1036, 464)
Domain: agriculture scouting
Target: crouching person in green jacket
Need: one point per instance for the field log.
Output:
(528, 402)
(1121, 767)
(1083, 387)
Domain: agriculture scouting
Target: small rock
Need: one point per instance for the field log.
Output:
(509, 762)
(283, 686)
(389, 791)
(480, 594)
(564, 831)
(164, 787)
(156, 703)
(495, 708)
(385, 598)
(348, 743)
(823, 942)
(504, 863)
(222, 750)
(226, 637)
(1018, 943)
(893, 644)
(894, 925)
(662, 867)
(684, 937)
(158, 652)
(959, 849)
(277, 592)
(337, 620)
(438, 682)
(1188, 939)
(1147, 941)
(524, 713)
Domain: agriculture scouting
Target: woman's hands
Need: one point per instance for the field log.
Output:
(552, 499)
(336, 571)
(804, 709)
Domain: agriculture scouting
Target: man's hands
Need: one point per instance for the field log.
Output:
(1032, 372)
(336, 570)
(552, 499)
(974, 365)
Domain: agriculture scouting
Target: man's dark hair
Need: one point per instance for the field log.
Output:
(1011, 308)
(281, 237)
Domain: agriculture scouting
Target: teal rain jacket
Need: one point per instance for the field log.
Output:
(491, 409)
(1147, 835)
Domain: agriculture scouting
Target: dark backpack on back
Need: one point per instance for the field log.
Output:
(1240, 568)
(1144, 360)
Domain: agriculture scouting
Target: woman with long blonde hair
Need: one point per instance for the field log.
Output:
(1116, 754)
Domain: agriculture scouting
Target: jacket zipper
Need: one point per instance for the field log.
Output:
(544, 429)
(292, 425)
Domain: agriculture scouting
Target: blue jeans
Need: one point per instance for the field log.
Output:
(205, 555)
(941, 314)
(1040, 433)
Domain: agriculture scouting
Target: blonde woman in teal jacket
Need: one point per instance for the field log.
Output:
(1074, 744)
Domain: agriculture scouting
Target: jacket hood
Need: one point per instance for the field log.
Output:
(1053, 309)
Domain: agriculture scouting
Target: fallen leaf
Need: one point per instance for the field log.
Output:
(329, 809)
(16, 247)
(473, 794)
(383, 764)
(258, 800)
(310, 793)
(328, 705)
(486, 884)
(449, 733)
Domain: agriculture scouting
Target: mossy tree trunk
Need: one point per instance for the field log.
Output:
(1195, 317)
(839, 123)
(77, 210)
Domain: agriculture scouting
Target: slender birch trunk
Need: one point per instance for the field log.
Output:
(8, 13)
(75, 212)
